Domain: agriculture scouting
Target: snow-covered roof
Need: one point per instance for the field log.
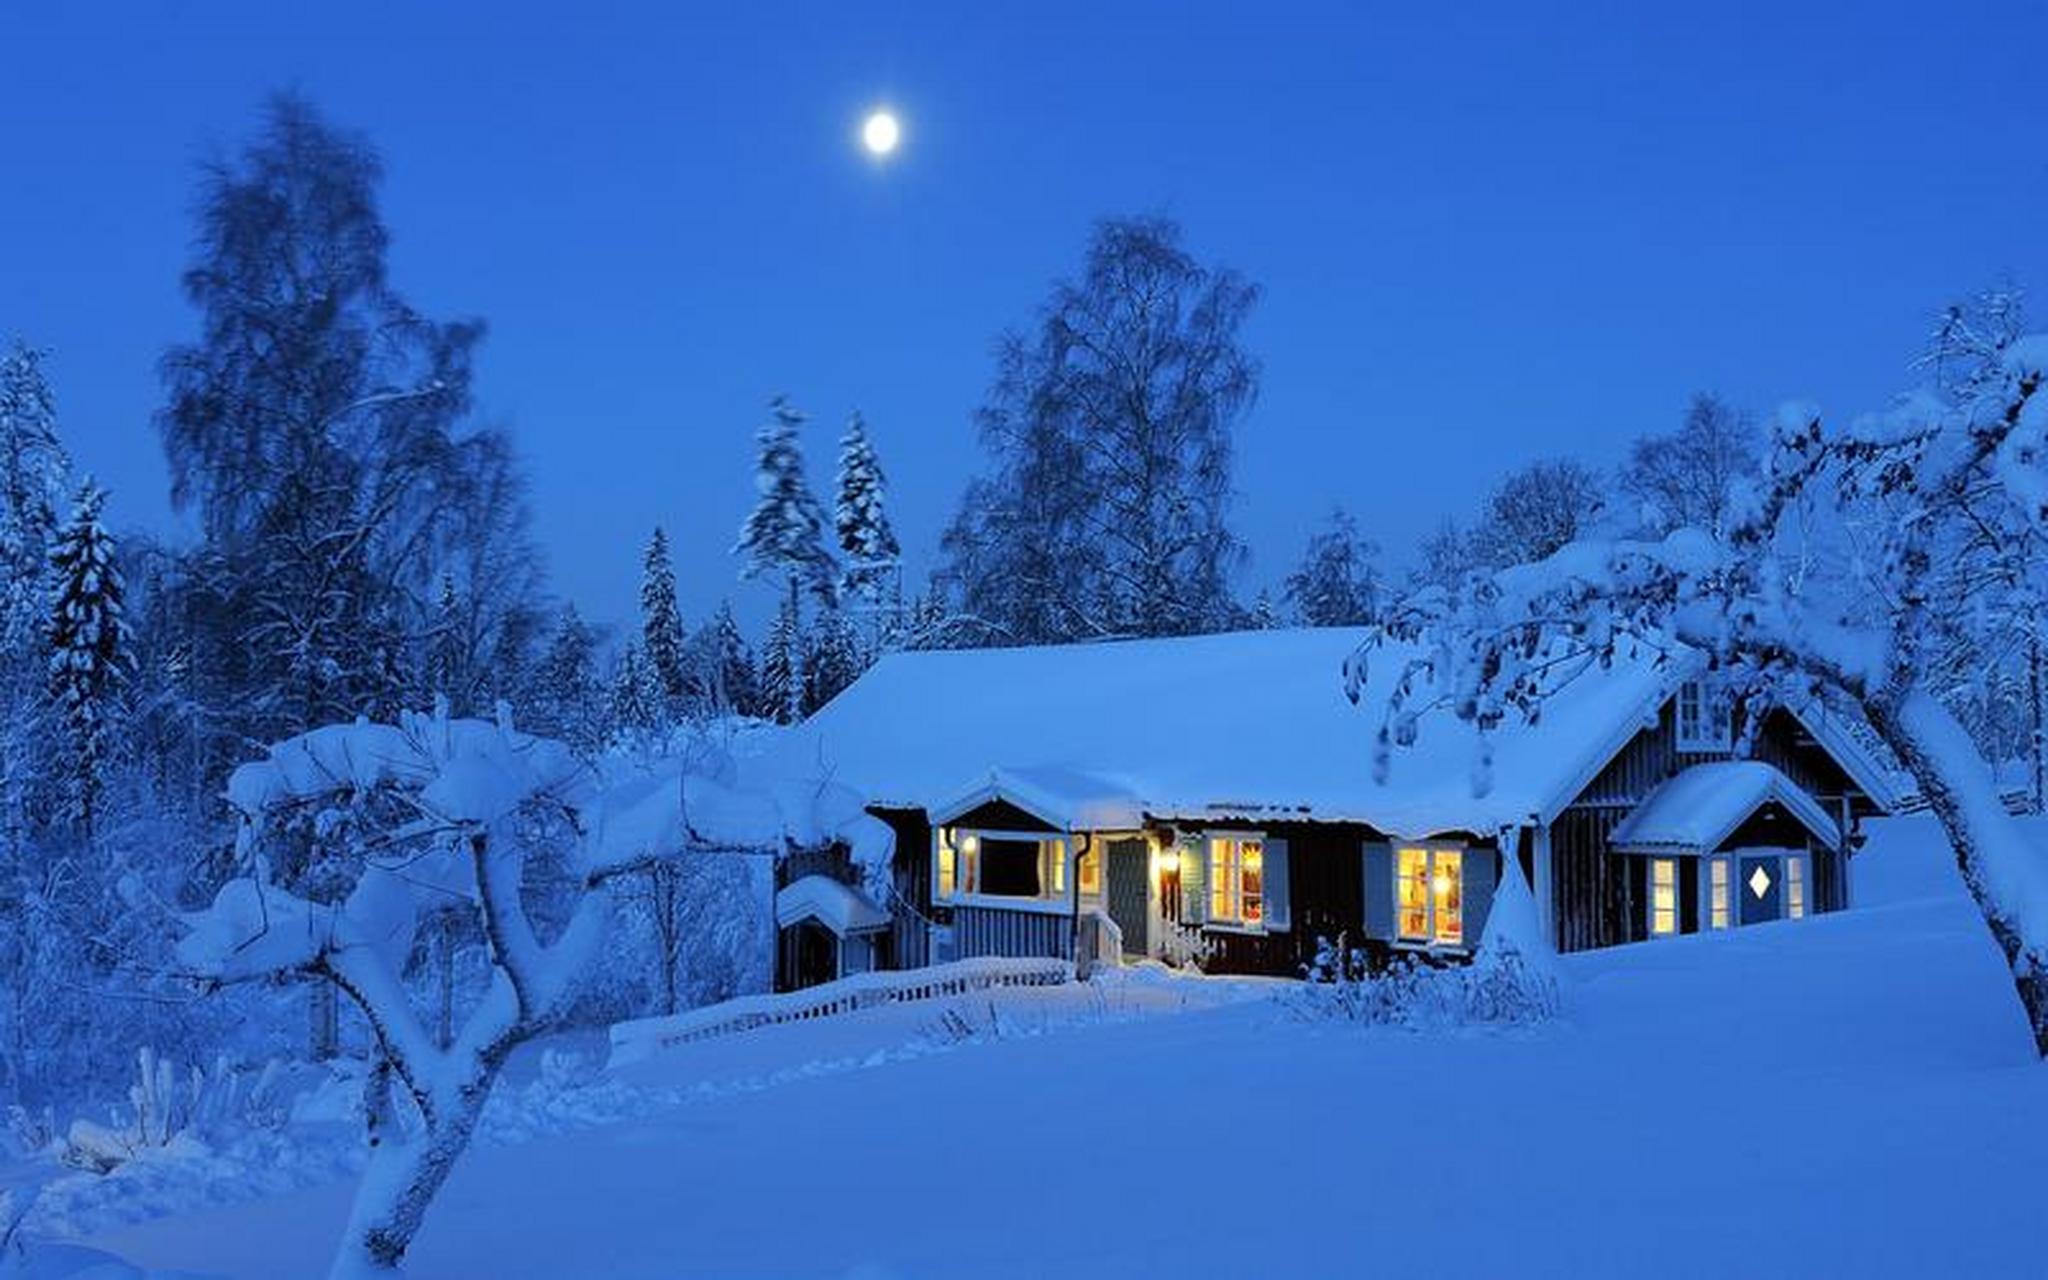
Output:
(1068, 798)
(1250, 724)
(1699, 808)
(1837, 733)
(840, 908)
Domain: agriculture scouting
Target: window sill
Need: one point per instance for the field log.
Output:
(1433, 948)
(1248, 930)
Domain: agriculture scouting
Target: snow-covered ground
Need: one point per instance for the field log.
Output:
(1854, 1094)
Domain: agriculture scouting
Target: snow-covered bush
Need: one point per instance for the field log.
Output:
(1512, 979)
(169, 1109)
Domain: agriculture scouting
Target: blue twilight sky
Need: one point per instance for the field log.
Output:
(1485, 233)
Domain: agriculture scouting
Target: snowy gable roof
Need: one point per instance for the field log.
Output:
(1250, 724)
(838, 907)
(1068, 798)
(1696, 810)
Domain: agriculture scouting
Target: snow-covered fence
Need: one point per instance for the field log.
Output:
(638, 1040)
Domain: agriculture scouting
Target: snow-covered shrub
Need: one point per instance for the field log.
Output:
(171, 1110)
(1421, 996)
(1511, 981)
(1187, 947)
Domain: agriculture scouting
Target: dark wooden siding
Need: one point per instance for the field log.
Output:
(1001, 815)
(1325, 898)
(910, 908)
(991, 931)
(1599, 897)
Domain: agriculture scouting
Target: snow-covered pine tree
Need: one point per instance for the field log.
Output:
(636, 693)
(33, 471)
(1263, 617)
(661, 624)
(444, 654)
(785, 532)
(567, 701)
(88, 647)
(861, 519)
(832, 659)
(730, 665)
(782, 683)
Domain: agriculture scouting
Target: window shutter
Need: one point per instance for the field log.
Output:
(1480, 868)
(1379, 891)
(1194, 881)
(1279, 908)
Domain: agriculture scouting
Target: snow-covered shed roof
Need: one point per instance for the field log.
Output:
(1249, 724)
(1696, 810)
(840, 908)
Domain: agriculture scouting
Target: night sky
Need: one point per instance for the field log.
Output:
(1484, 237)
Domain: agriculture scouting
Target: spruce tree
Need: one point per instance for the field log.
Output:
(88, 648)
(636, 693)
(567, 700)
(784, 534)
(782, 667)
(731, 663)
(832, 659)
(33, 468)
(661, 622)
(861, 519)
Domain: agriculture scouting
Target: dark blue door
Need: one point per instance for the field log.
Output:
(1761, 883)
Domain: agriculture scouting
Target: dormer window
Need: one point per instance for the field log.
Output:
(1703, 718)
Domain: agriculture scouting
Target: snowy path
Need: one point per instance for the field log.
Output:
(1851, 1095)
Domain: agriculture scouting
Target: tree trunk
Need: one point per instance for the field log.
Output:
(324, 1022)
(403, 1177)
(2005, 874)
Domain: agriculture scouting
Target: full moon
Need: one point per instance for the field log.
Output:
(880, 132)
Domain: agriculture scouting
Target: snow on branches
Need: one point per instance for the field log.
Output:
(378, 827)
(1828, 582)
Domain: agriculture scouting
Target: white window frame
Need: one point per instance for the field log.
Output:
(1794, 867)
(1428, 940)
(1055, 856)
(1650, 900)
(1711, 728)
(1234, 920)
(1720, 897)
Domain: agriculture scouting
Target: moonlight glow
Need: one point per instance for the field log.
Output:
(880, 132)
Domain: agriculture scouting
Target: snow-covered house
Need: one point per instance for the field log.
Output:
(1216, 796)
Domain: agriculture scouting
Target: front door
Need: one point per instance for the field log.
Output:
(1129, 891)
(1761, 883)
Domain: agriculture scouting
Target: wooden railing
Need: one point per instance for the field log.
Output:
(641, 1039)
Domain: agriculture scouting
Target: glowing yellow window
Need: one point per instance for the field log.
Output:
(1447, 892)
(1663, 897)
(948, 865)
(1237, 880)
(1795, 886)
(1717, 893)
(1089, 866)
(1056, 854)
(1429, 895)
(1411, 883)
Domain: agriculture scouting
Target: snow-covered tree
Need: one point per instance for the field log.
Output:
(661, 623)
(866, 539)
(33, 488)
(1825, 585)
(636, 696)
(1337, 583)
(782, 679)
(832, 659)
(1691, 478)
(785, 532)
(421, 814)
(1536, 510)
(1109, 428)
(88, 649)
(728, 664)
(566, 699)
